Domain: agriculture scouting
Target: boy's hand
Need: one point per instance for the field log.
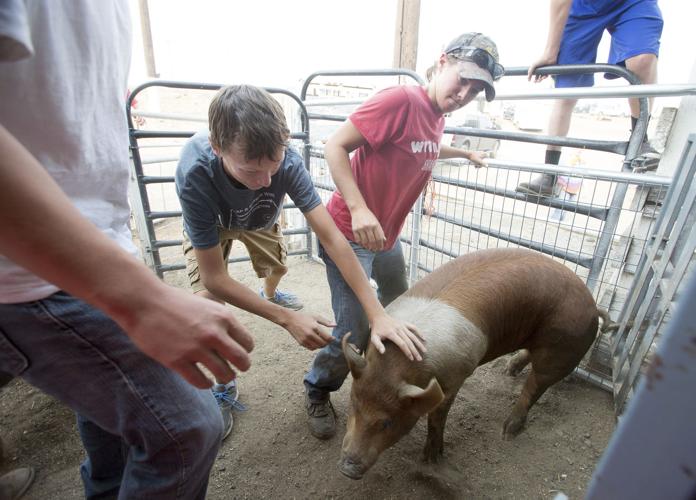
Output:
(478, 158)
(405, 335)
(367, 229)
(545, 60)
(308, 330)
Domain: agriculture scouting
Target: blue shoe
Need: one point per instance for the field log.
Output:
(284, 299)
(226, 396)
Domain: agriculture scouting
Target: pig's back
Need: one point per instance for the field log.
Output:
(510, 295)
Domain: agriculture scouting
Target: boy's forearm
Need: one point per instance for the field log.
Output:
(238, 295)
(447, 152)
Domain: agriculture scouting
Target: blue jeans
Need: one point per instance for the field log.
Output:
(147, 432)
(388, 269)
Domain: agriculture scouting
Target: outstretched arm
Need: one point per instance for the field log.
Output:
(173, 327)
(308, 330)
(475, 157)
(382, 326)
(558, 15)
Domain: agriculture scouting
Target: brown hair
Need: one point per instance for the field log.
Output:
(250, 117)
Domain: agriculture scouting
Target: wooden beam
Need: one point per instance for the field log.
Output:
(147, 39)
(406, 36)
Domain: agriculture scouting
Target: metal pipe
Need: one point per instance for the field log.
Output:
(641, 90)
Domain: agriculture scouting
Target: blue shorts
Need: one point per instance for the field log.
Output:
(635, 27)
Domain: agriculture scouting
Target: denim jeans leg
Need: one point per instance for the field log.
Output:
(329, 368)
(389, 272)
(102, 470)
(73, 352)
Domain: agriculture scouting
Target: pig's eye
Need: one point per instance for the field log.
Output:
(386, 424)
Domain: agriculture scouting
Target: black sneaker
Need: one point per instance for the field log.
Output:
(321, 418)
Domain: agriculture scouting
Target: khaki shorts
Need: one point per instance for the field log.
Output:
(266, 248)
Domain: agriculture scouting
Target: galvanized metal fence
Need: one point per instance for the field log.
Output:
(659, 280)
(601, 227)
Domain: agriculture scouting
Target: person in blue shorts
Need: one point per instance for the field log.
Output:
(575, 30)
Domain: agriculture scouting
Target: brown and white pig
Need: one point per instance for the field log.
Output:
(471, 310)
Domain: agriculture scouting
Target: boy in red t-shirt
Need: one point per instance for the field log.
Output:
(395, 137)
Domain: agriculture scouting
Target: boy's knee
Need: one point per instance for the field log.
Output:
(278, 271)
(643, 65)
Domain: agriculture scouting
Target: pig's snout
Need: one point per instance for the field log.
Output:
(351, 468)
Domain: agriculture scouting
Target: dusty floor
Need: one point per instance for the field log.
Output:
(270, 453)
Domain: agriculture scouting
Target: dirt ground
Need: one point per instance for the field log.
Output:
(270, 453)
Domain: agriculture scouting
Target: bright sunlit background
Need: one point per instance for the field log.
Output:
(279, 43)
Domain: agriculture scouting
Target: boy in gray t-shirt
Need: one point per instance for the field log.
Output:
(219, 209)
(231, 184)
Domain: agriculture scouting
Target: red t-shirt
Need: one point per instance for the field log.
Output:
(403, 130)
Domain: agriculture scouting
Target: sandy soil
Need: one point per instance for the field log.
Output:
(270, 453)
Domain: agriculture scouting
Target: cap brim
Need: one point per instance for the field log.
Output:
(471, 70)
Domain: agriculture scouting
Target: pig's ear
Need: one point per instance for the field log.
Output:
(422, 401)
(356, 362)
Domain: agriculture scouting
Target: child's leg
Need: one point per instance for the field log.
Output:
(270, 282)
(329, 368)
(268, 255)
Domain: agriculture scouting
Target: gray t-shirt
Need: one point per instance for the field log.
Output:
(210, 200)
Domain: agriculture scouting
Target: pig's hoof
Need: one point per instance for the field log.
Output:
(512, 427)
(432, 455)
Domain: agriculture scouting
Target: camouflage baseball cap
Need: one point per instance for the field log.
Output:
(479, 59)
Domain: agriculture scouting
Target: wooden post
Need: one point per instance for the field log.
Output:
(406, 39)
(147, 39)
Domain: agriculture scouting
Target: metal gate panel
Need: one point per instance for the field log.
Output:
(658, 278)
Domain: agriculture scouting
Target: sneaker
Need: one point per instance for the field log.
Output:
(226, 396)
(284, 299)
(321, 418)
(15, 484)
